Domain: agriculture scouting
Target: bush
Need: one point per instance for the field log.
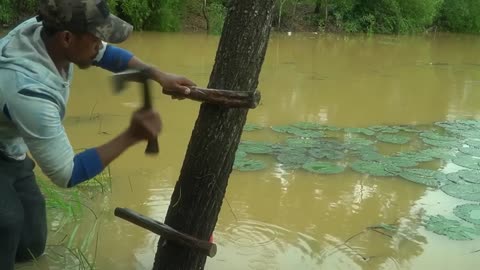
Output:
(461, 15)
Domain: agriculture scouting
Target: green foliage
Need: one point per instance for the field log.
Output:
(216, 16)
(461, 15)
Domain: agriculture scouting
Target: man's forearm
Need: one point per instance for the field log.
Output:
(112, 149)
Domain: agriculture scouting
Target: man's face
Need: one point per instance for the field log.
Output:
(83, 49)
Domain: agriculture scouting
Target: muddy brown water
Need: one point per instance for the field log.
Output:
(277, 218)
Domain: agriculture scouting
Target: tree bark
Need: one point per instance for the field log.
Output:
(199, 192)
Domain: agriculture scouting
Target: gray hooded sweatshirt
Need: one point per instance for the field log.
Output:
(33, 97)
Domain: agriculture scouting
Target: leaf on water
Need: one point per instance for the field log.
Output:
(472, 151)
(240, 155)
(453, 229)
(368, 154)
(414, 156)
(468, 212)
(358, 141)
(248, 165)
(256, 147)
(469, 192)
(440, 153)
(323, 167)
(463, 176)
(384, 129)
(467, 161)
(252, 127)
(320, 153)
(375, 168)
(437, 137)
(440, 143)
(364, 131)
(298, 131)
(473, 143)
(395, 139)
(294, 160)
(301, 142)
(315, 126)
(400, 161)
(426, 177)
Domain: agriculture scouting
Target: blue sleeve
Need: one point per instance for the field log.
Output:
(86, 165)
(114, 59)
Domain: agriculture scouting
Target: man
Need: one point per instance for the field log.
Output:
(36, 66)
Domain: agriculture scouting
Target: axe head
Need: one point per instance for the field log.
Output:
(121, 79)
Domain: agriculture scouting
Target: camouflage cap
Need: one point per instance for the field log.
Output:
(92, 16)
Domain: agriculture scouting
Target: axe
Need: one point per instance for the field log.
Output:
(120, 81)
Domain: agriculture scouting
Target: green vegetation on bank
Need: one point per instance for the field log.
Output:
(380, 16)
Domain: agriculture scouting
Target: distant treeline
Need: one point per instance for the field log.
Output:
(371, 16)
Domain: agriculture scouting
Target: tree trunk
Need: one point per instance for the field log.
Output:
(199, 192)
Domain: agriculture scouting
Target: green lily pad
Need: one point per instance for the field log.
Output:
(240, 155)
(359, 141)
(468, 212)
(252, 127)
(453, 229)
(470, 176)
(384, 129)
(438, 137)
(371, 155)
(256, 147)
(395, 139)
(249, 165)
(315, 126)
(299, 132)
(415, 156)
(320, 153)
(440, 153)
(364, 131)
(323, 167)
(467, 161)
(375, 168)
(426, 177)
(470, 192)
(301, 142)
(472, 151)
(473, 143)
(440, 143)
(294, 160)
(284, 129)
(411, 129)
(400, 161)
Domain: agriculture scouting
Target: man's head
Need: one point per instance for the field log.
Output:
(80, 25)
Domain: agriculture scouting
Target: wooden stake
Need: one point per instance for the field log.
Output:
(228, 98)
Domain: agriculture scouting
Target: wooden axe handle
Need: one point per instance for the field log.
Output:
(152, 145)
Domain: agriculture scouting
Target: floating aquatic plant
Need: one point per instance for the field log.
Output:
(302, 142)
(440, 153)
(248, 165)
(315, 126)
(294, 159)
(375, 168)
(256, 147)
(465, 176)
(470, 192)
(395, 139)
(436, 136)
(440, 143)
(384, 129)
(364, 131)
(299, 132)
(468, 212)
(426, 177)
(252, 127)
(467, 161)
(323, 167)
(472, 151)
(453, 229)
(415, 156)
(320, 153)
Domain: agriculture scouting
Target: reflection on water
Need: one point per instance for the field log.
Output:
(279, 218)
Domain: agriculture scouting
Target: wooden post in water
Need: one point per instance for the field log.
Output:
(200, 190)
